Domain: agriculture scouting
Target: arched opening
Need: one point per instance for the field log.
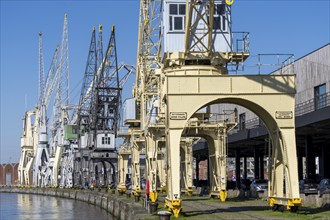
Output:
(277, 158)
(9, 174)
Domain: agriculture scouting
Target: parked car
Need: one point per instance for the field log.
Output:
(308, 186)
(259, 185)
(324, 187)
(231, 184)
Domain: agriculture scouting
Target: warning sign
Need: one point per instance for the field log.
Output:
(283, 114)
(178, 115)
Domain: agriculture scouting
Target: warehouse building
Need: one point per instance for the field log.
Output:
(8, 174)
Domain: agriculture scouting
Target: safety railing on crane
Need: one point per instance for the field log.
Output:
(240, 50)
(241, 42)
(276, 63)
(227, 117)
(279, 63)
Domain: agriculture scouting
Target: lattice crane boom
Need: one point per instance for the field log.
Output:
(130, 69)
(107, 94)
(52, 78)
(148, 57)
(41, 72)
(89, 78)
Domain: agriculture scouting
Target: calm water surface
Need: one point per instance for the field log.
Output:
(26, 206)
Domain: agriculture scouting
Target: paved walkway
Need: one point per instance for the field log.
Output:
(203, 208)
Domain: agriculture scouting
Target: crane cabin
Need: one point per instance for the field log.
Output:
(174, 25)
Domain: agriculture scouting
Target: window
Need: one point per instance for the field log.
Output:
(219, 18)
(177, 17)
(74, 130)
(105, 140)
(320, 98)
(242, 122)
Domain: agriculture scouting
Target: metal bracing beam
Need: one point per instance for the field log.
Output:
(199, 28)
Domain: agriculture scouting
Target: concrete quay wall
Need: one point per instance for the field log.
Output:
(120, 207)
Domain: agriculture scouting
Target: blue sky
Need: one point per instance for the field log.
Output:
(297, 27)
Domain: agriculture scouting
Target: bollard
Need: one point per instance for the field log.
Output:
(153, 207)
(164, 215)
(128, 195)
(137, 198)
(145, 203)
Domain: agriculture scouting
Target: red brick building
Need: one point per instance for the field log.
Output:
(8, 174)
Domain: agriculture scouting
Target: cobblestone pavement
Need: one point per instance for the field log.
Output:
(204, 208)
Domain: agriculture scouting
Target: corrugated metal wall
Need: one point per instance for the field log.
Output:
(312, 70)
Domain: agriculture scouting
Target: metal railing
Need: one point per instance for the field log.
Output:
(281, 63)
(122, 130)
(228, 116)
(253, 123)
(300, 109)
(313, 104)
(241, 42)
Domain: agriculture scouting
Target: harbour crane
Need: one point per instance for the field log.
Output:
(44, 156)
(98, 114)
(41, 158)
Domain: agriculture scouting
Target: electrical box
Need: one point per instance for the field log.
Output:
(70, 132)
(129, 111)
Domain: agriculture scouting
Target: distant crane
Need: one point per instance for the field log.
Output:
(98, 113)
(57, 78)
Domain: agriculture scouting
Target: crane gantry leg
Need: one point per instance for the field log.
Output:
(136, 176)
(187, 165)
(161, 165)
(221, 155)
(173, 201)
(283, 170)
(151, 165)
(123, 156)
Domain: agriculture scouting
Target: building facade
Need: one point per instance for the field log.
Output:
(8, 174)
